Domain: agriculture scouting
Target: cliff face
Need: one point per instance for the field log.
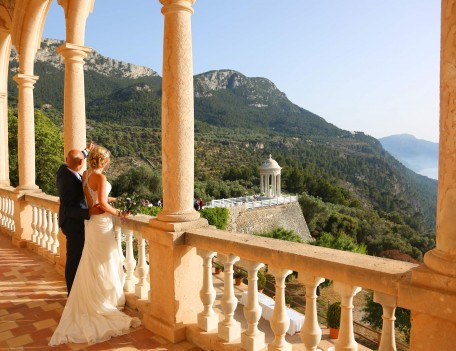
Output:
(288, 216)
(94, 62)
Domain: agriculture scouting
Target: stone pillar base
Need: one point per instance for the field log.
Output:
(430, 333)
(142, 292)
(129, 286)
(252, 343)
(229, 332)
(208, 323)
(174, 333)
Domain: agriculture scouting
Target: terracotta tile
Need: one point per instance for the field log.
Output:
(19, 341)
(6, 335)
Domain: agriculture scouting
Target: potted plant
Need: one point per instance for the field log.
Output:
(218, 267)
(261, 281)
(238, 275)
(333, 319)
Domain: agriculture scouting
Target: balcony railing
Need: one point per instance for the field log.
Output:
(252, 201)
(349, 271)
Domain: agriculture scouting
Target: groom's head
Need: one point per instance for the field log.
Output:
(74, 160)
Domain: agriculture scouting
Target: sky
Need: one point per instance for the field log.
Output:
(362, 65)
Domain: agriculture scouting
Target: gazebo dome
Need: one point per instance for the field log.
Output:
(270, 164)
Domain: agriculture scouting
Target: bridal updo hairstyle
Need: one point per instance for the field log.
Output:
(99, 158)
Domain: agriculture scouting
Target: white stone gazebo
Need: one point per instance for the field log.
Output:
(270, 176)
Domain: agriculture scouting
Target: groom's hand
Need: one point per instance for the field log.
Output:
(96, 210)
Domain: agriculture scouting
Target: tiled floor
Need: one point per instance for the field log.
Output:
(32, 296)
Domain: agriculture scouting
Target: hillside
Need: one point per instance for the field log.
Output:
(419, 155)
(238, 121)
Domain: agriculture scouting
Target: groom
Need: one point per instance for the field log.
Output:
(73, 210)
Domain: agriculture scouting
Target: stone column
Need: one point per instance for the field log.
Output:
(443, 258)
(74, 120)
(26, 132)
(430, 297)
(177, 114)
(4, 164)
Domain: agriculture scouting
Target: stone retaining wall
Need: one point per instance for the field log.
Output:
(288, 216)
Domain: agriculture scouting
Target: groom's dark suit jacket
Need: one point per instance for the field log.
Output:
(72, 213)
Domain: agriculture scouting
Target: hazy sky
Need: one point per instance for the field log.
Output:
(363, 65)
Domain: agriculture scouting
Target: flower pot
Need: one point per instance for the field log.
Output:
(218, 270)
(237, 281)
(333, 333)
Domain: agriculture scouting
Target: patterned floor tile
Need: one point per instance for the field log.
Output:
(32, 298)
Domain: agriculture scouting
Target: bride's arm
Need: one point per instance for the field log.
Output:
(103, 199)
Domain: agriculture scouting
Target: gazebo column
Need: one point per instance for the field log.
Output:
(74, 115)
(26, 132)
(175, 267)
(431, 295)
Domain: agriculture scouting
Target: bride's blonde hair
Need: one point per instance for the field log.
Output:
(99, 157)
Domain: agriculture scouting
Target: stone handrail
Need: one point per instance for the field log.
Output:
(350, 272)
(375, 273)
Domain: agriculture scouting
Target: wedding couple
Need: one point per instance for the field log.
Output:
(95, 277)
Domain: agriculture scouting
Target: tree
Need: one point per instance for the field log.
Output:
(373, 316)
(141, 180)
(48, 150)
(282, 234)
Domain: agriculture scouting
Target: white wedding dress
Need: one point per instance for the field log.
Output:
(91, 314)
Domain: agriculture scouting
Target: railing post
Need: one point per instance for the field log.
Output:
(39, 226)
(229, 329)
(50, 226)
(346, 340)
(208, 319)
(129, 262)
(311, 331)
(252, 339)
(34, 236)
(280, 322)
(142, 287)
(55, 231)
(388, 302)
(44, 230)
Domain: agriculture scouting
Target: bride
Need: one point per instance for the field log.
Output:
(91, 314)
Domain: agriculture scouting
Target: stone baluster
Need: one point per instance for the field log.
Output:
(2, 211)
(118, 236)
(129, 262)
(346, 340)
(229, 329)
(252, 339)
(34, 236)
(55, 231)
(389, 303)
(39, 226)
(280, 322)
(44, 229)
(311, 331)
(49, 230)
(207, 319)
(8, 221)
(8, 217)
(142, 287)
(13, 222)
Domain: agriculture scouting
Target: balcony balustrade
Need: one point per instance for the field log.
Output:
(212, 330)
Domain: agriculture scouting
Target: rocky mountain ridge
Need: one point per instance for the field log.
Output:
(94, 62)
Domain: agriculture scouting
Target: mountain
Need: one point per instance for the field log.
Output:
(419, 155)
(239, 121)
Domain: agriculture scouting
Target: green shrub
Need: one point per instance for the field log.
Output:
(333, 315)
(261, 280)
(216, 216)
